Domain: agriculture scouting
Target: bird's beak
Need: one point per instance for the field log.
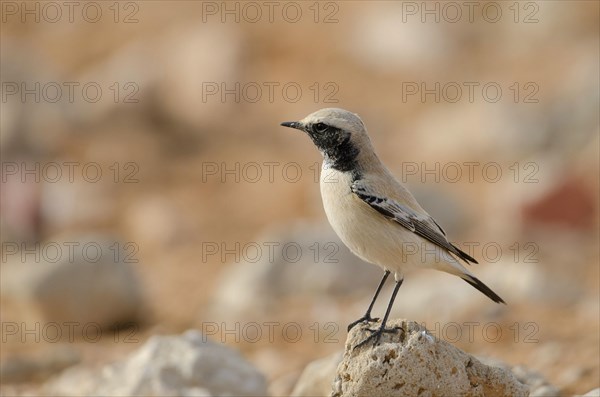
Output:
(292, 124)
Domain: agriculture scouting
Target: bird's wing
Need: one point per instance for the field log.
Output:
(422, 225)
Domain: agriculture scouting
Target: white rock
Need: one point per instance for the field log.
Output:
(407, 363)
(545, 391)
(592, 393)
(316, 377)
(180, 365)
(66, 282)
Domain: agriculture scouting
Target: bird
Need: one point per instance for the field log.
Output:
(373, 214)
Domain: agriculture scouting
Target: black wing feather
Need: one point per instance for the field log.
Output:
(409, 220)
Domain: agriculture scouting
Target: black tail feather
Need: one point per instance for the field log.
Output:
(463, 255)
(475, 282)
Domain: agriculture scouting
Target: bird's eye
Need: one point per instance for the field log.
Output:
(320, 127)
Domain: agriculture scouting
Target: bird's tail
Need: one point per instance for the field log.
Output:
(475, 282)
(454, 267)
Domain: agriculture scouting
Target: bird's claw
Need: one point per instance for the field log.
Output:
(376, 335)
(363, 319)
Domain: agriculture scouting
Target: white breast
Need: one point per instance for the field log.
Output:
(367, 233)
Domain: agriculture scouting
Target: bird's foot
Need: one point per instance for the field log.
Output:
(364, 319)
(376, 335)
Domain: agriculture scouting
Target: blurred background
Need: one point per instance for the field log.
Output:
(148, 189)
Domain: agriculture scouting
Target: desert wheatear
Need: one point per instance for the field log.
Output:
(373, 214)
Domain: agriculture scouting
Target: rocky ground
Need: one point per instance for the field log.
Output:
(198, 261)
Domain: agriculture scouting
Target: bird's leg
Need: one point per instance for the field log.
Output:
(376, 334)
(367, 316)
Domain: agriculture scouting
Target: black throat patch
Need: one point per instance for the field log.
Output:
(337, 148)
